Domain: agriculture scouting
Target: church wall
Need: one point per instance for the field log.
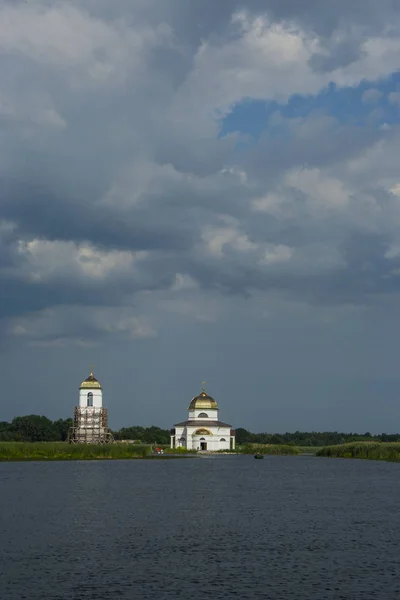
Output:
(97, 397)
(179, 433)
(212, 414)
(213, 441)
(206, 419)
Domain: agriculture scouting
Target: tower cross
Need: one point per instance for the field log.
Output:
(203, 383)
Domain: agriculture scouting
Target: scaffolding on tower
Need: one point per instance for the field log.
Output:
(90, 426)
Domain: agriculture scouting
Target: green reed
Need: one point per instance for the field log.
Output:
(168, 450)
(63, 451)
(279, 449)
(367, 450)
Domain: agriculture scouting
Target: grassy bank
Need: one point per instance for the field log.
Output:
(367, 450)
(10, 451)
(168, 450)
(278, 449)
(307, 449)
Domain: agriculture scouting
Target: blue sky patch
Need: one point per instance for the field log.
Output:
(347, 105)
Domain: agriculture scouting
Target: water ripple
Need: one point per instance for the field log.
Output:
(285, 528)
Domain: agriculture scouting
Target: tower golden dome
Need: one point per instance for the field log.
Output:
(91, 383)
(202, 401)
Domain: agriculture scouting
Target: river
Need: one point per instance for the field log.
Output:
(284, 528)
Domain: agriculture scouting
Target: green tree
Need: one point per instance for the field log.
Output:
(33, 428)
(61, 428)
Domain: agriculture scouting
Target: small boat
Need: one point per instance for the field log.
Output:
(259, 456)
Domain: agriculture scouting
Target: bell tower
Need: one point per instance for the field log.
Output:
(90, 392)
(90, 417)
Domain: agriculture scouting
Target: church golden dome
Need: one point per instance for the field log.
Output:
(90, 383)
(202, 401)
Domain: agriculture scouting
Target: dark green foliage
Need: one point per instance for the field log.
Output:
(34, 428)
(147, 435)
(368, 450)
(62, 427)
(6, 433)
(313, 438)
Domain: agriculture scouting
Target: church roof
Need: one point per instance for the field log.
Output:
(197, 423)
(202, 401)
(91, 383)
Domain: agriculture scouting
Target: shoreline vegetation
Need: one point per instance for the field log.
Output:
(363, 450)
(38, 428)
(53, 451)
(62, 451)
(50, 451)
(26, 451)
(275, 449)
(35, 437)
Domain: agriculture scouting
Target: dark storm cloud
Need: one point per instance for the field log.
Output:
(118, 168)
(41, 213)
(124, 215)
(199, 18)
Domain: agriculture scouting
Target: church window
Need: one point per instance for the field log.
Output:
(202, 439)
(222, 440)
(203, 415)
(90, 399)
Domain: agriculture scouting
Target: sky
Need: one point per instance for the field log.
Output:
(202, 191)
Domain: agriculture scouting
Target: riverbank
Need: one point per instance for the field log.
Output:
(24, 451)
(53, 451)
(389, 451)
(273, 449)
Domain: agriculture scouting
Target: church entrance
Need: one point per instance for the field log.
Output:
(203, 445)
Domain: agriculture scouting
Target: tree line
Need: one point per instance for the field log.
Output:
(37, 428)
(311, 438)
(34, 428)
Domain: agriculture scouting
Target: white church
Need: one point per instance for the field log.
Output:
(90, 425)
(203, 430)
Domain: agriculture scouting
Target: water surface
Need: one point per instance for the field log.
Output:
(283, 528)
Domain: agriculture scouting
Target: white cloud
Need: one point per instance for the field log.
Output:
(184, 282)
(393, 251)
(263, 59)
(46, 260)
(395, 189)
(145, 180)
(145, 154)
(38, 111)
(377, 164)
(371, 96)
(394, 98)
(216, 239)
(278, 253)
(322, 192)
(65, 37)
(323, 195)
(270, 203)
